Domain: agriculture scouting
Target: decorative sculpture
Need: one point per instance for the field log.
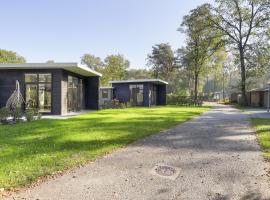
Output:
(16, 99)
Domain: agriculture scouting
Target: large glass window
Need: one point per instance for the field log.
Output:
(75, 94)
(38, 91)
(136, 95)
(45, 97)
(31, 96)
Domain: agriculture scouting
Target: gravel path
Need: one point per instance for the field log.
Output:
(216, 156)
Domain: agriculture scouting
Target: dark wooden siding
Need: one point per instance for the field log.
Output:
(161, 95)
(8, 80)
(59, 88)
(122, 92)
(8, 84)
(92, 93)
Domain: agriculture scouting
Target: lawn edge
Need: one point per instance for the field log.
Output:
(263, 149)
(55, 175)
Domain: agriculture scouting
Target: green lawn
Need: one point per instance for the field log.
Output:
(263, 128)
(34, 149)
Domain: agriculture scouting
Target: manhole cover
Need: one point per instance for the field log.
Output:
(166, 171)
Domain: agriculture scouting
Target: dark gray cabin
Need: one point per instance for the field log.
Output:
(53, 88)
(143, 92)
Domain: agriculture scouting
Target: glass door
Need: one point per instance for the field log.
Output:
(74, 94)
(136, 95)
(38, 91)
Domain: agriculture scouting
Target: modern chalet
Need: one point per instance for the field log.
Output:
(53, 88)
(142, 92)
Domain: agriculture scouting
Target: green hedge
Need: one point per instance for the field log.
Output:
(173, 99)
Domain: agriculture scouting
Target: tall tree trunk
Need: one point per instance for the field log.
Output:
(243, 76)
(196, 87)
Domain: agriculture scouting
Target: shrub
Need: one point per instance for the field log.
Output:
(4, 114)
(16, 113)
(224, 101)
(39, 115)
(29, 114)
(173, 99)
(115, 104)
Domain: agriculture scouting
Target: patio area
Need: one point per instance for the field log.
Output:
(68, 115)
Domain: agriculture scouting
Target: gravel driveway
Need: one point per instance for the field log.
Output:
(215, 156)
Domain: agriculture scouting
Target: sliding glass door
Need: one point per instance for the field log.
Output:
(38, 91)
(75, 94)
(136, 95)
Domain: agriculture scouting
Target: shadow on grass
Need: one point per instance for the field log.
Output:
(29, 150)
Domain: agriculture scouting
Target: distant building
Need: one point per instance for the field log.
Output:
(258, 97)
(105, 95)
(141, 92)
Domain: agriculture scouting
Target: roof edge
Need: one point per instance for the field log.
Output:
(141, 80)
(63, 65)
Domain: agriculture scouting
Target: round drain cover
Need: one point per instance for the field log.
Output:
(165, 170)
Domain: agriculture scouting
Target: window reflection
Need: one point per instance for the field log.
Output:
(38, 91)
(136, 95)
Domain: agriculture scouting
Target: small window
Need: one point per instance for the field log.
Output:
(31, 78)
(105, 94)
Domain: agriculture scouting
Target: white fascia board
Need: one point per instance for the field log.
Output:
(141, 81)
(72, 67)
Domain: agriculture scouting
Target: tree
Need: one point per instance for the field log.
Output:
(162, 61)
(202, 43)
(10, 57)
(243, 23)
(115, 68)
(92, 62)
(138, 74)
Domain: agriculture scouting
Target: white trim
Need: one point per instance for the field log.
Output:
(72, 67)
(141, 81)
(105, 87)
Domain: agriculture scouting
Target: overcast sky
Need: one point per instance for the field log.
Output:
(63, 30)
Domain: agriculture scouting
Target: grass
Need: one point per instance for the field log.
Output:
(35, 149)
(263, 128)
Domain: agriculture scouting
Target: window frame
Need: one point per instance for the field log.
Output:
(37, 83)
(139, 90)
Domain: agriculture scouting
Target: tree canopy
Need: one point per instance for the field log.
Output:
(201, 43)
(162, 61)
(92, 62)
(10, 57)
(244, 24)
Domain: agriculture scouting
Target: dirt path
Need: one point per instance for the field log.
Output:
(215, 156)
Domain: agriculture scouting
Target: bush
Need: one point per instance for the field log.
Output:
(4, 114)
(16, 113)
(31, 113)
(39, 115)
(115, 104)
(173, 99)
(225, 102)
